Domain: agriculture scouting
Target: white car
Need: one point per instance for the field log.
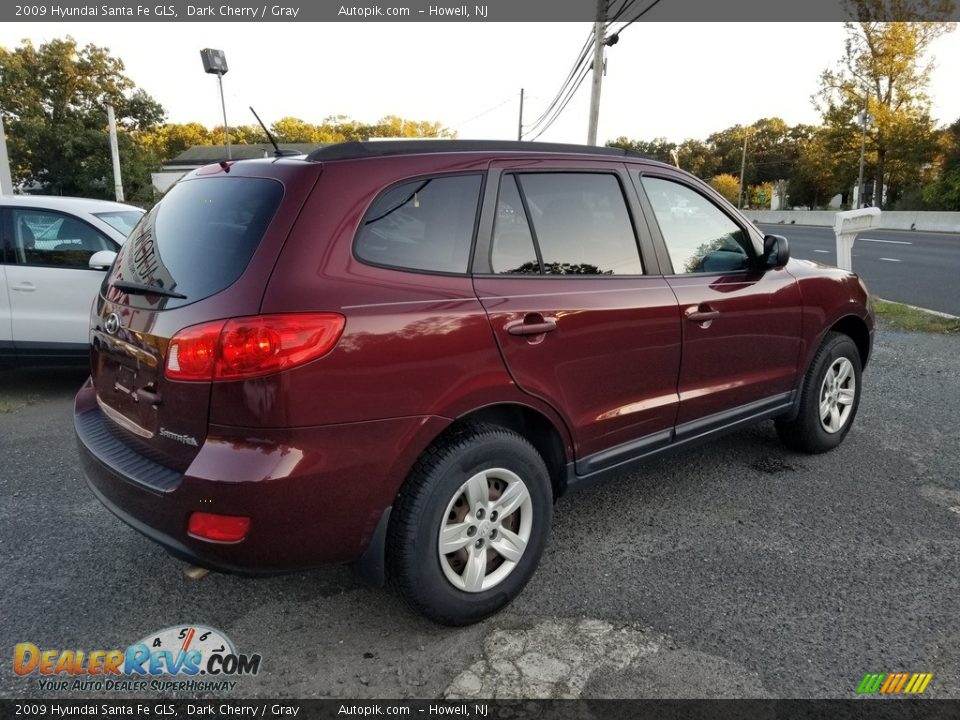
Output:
(53, 255)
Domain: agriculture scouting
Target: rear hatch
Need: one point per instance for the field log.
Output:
(204, 253)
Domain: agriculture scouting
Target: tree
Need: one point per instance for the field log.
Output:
(813, 179)
(53, 99)
(169, 140)
(944, 192)
(728, 186)
(883, 63)
(657, 149)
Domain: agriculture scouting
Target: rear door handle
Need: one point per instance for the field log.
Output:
(539, 326)
(24, 287)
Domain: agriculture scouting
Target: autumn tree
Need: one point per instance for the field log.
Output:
(883, 68)
(53, 99)
(728, 186)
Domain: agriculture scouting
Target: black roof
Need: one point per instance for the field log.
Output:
(353, 150)
(208, 154)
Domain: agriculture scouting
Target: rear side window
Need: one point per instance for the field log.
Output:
(579, 221)
(426, 224)
(199, 239)
(512, 251)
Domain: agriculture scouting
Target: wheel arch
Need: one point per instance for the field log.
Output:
(856, 329)
(532, 425)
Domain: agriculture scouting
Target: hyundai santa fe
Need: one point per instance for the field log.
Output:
(400, 354)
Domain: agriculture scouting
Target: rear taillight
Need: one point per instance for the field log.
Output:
(218, 528)
(251, 346)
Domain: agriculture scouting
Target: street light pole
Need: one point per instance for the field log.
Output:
(223, 106)
(215, 63)
(863, 148)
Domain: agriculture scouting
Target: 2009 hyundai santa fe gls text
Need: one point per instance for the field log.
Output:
(400, 354)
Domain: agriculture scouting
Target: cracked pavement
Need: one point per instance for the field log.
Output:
(737, 569)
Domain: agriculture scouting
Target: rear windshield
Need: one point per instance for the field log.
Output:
(196, 241)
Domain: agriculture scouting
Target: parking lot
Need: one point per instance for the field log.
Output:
(738, 569)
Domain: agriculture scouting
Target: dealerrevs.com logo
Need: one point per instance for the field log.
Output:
(190, 658)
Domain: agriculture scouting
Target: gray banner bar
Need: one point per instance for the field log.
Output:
(488, 11)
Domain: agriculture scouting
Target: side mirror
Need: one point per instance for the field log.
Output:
(101, 260)
(776, 251)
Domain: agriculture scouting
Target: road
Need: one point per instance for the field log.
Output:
(738, 569)
(916, 268)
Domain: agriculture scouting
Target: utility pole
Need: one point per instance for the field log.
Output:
(6, 183)
(598, 39)
(115, 154)
(743, 167)
(863, 148)
(520, 121)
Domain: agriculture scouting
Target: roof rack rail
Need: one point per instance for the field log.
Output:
(354, 149)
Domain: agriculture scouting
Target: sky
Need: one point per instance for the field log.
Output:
(672, 80)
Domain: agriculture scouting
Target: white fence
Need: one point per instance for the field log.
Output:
(891, 220)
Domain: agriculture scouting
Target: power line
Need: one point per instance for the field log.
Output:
(627, 6)
(563, 106)
(564, 87)
(485, 112)
(647, 9)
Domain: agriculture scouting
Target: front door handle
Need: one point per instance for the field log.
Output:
(702, 314)
(24, 287)
(531, 325)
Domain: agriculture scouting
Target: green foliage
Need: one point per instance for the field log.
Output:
(943, 192)
(53, 99)
(727, 185)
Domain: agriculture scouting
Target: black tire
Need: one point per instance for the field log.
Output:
(807, 432)
(424, 505)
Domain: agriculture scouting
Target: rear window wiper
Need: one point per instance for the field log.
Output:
(140, 289)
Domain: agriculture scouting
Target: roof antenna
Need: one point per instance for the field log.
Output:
(278, 152)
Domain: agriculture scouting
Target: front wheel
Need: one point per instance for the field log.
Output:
(469, 525)
(829, 398)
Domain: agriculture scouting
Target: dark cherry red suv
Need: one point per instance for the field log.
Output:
(402, 353)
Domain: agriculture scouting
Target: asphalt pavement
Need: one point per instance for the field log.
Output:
(917, 268)
(739, 569)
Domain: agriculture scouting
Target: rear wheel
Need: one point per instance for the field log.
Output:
(829, 398)
(469, 525)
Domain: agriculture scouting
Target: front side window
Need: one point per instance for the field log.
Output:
(426, 224)
(52, 239)
(700, 237)
(581, 223)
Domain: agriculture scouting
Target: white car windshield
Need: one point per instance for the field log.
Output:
(121, 220)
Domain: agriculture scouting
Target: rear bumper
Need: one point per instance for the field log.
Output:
(314, 495)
